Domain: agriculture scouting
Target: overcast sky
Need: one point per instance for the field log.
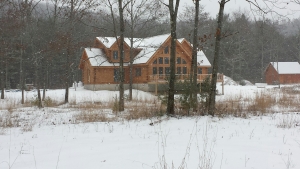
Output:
(212, 7)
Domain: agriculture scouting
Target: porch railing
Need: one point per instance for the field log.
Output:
(200, 77)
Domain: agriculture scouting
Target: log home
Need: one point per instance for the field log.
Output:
(151, 64)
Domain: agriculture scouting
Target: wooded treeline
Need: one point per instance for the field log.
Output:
(41, 43)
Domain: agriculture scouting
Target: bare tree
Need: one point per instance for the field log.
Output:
(194, 65)
(212, 92)
(173, 11)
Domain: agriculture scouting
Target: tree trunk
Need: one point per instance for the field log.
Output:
(171, 91)
(131, 51)
(121, 49)
(22, 73)
(212, 92)
(194, 65)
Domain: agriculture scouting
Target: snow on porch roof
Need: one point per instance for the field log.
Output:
(287, 67)
(202, 59)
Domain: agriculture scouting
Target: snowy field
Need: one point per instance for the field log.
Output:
(52, 139)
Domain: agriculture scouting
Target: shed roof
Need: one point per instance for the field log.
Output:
(286, 67)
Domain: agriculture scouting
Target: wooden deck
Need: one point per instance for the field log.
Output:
(163, 78)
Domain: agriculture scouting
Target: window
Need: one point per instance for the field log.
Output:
(116, 75)
(115, 55)
(183, 61)
(179, 60)
(184, 70)
(161, 70)
(167, 70)
(160, 60)
(178, 70)
(166, 50)
(166, 60)
(138, 72)
(155, 62)
(199, 70)
(154, 69)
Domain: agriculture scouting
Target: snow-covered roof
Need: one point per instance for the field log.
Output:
(148, 47)
(180, 40)
(286, 67)
(107, 41)
(144, 55)
(97, 57)
(202, 59)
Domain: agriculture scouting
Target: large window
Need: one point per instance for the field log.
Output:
(167, 70)
(138, 72)
(160, 60)
(166, 60)
(161, 70)
(116, 75)
(154, 70)
(179, 60)
(115, 54)
(184, 70)
(166, 50)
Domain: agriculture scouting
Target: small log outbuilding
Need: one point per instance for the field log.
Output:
(151, 65)
(283, 73)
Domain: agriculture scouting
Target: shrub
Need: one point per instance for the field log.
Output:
(86, 116)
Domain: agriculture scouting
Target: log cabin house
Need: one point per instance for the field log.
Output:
(151, 65)
(283, 73)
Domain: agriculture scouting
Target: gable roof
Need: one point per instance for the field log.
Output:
(286, 67)
(97, 57)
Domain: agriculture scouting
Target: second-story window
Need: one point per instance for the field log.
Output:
(178, 60)
(115, 54)
(160, 60)
(166, 50)
(166, 60)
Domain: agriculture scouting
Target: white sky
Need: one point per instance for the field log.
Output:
(290, 10)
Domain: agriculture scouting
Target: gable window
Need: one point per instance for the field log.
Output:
(161, 70)
(115, 54)
(183, 61)
(179, 60)
(116, 75)
(160, 60)
(166, 50)
(155, 61)
(166, 60)
(178, 70)
(199, 70)
(184, 70)
(167, 70)
(154, 70)
(138, 72)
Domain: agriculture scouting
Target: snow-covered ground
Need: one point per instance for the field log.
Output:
(55, 141)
